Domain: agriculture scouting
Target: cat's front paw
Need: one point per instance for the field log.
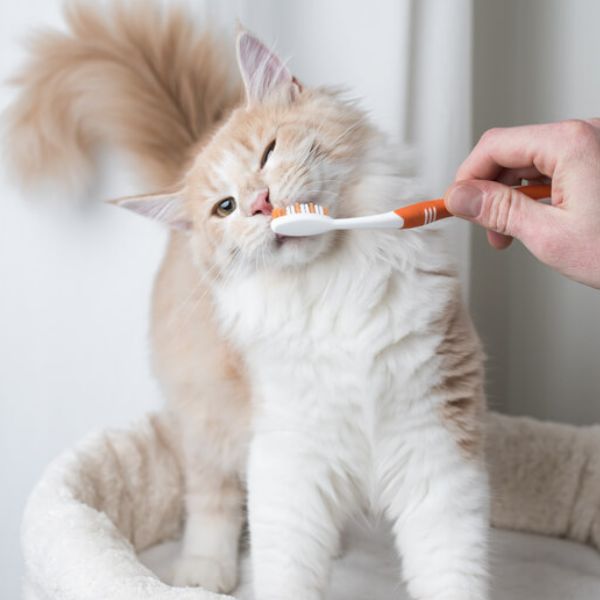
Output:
(211, 574)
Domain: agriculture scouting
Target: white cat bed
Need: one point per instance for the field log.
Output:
(119, 494)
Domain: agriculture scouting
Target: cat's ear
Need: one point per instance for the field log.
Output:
(168, 208)
(262, 70)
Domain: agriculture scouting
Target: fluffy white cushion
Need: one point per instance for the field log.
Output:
(525, 566)
(119, 493)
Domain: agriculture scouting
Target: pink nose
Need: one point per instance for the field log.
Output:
(262, 204)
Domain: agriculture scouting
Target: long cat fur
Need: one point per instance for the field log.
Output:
(335, 376)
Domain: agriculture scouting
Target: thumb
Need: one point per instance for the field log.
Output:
(499, 208)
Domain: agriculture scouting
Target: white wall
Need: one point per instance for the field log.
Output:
(74, 287)
(536, 61)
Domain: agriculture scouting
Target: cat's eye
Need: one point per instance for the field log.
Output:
(268, 151)
(225, 207)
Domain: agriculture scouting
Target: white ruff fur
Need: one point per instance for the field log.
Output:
(343, 366)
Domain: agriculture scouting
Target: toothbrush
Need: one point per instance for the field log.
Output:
(299, 220)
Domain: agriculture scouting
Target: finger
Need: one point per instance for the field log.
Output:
(529, 146)
(499, 208)
(498, 240)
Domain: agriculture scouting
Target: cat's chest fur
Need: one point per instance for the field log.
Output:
(351, 335)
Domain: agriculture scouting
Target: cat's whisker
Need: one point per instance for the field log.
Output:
(185, 304)
(344, 133)
(217, 267)
(329, 180)
(320, 192)
(202, 281)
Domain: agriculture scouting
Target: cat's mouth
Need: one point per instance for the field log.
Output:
(280, 240)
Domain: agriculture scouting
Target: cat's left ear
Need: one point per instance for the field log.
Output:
(167, 208)
(262, 70)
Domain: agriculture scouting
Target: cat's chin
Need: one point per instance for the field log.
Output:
(291, 251)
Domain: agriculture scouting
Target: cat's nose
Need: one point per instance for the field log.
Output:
(261, 205)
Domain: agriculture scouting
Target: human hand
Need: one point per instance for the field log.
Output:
(564, 235)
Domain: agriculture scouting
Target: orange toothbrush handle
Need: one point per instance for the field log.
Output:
(537, 191)
(424, 213)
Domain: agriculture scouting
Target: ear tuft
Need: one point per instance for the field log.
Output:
(166, 208)
(262, 70)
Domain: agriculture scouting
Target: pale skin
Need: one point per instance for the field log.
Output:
(565, 235)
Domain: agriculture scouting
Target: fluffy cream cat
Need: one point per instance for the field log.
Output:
(330, 375)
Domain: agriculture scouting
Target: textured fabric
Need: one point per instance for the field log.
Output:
(545, 477)
(524, 567)
(119, 493)
(115, 494)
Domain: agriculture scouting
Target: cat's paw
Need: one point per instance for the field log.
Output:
(212, 575)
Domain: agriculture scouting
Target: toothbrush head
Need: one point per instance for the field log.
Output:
(299, 220)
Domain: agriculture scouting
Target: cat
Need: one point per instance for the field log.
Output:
(312, 378)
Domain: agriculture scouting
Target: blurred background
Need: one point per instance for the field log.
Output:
(76, 276)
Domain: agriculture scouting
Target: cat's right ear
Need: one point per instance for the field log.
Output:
(262, 70)
(167, 208)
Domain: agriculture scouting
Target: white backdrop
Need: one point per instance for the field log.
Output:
(75, 277)
(74, 286)
(536, 61)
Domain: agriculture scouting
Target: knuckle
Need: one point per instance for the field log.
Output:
(579, 131)
(594, 122)
(498, 211)
(489, 135)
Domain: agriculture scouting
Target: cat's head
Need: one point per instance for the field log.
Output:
(285, 144)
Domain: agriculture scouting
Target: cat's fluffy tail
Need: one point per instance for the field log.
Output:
(134, 76)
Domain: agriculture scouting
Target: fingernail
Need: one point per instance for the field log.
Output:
(465, 201)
